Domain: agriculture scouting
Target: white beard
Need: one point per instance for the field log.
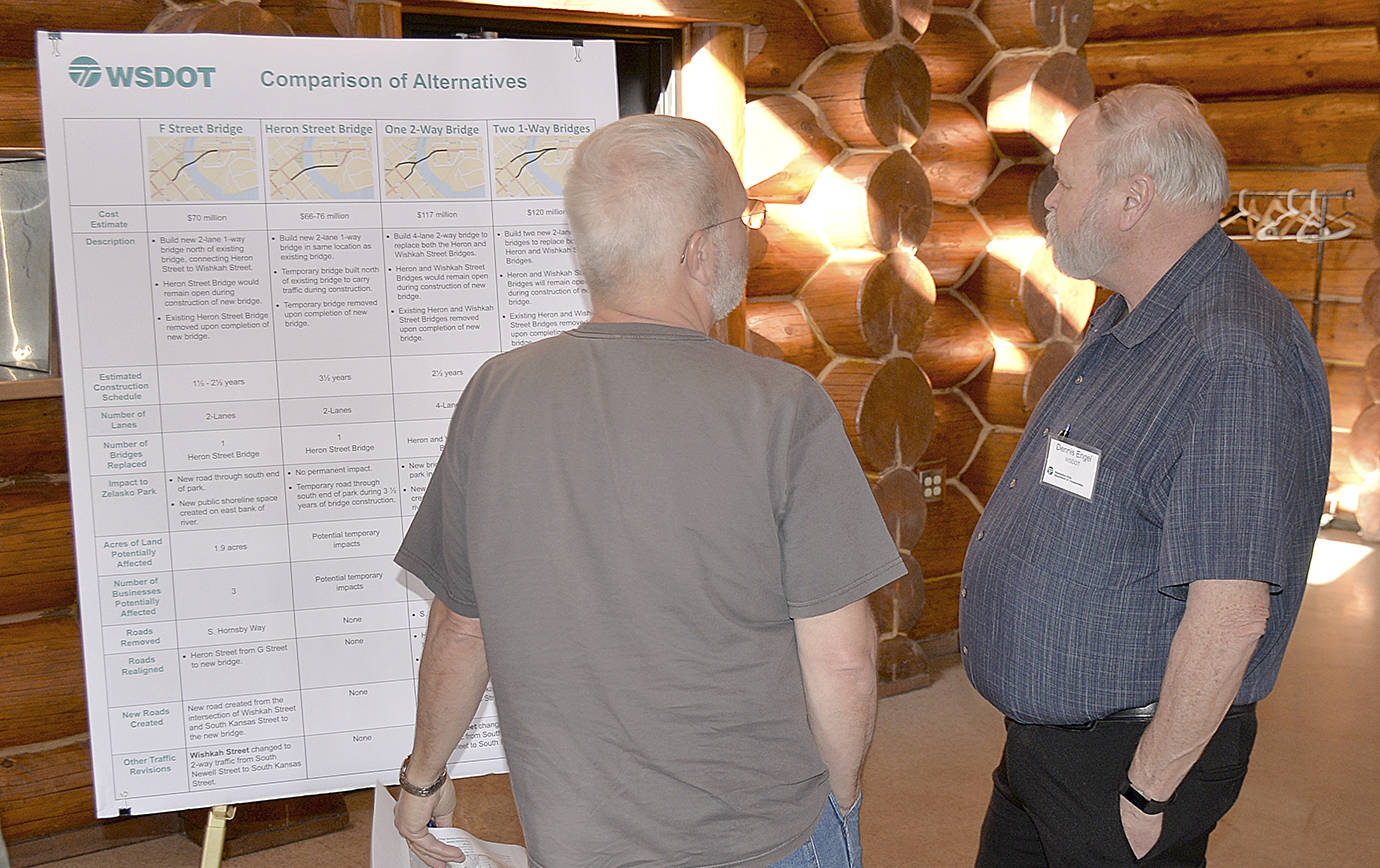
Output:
(1089, 250)
(730, 276)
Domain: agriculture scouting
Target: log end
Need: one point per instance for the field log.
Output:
(896, 96)
(901, 499)
(896, 417)
(956, 432)
(897, 297)
(780, 330)
(901, 666)
(900, 204)
(1032, 99)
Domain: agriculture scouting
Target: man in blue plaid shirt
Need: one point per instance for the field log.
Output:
(1129, 591)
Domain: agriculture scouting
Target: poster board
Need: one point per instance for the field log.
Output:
(278, 262)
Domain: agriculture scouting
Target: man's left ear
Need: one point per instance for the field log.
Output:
(1139, 196)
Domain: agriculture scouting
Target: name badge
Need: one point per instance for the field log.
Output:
(1070, 467)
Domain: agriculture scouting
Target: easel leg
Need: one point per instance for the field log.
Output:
(215, 835)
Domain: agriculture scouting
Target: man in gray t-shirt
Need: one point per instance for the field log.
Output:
(668, 544)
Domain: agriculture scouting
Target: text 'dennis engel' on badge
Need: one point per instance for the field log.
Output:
(1070, 467)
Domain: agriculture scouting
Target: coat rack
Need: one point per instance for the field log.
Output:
(1291, 215)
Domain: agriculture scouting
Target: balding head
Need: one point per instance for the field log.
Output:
(638, 188)
(1158, 131)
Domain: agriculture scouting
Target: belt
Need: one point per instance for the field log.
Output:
(1147, 711)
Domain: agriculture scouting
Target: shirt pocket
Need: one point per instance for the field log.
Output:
(1103, 543)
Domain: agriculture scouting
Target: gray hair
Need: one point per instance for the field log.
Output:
(637, 190)
(1158, 130)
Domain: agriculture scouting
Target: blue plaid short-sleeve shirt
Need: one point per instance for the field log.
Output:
(1209, 408)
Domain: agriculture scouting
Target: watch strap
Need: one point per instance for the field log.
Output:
(1141, 802)
(413, 789)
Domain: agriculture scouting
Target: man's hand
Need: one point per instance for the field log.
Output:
(410, 816)
(1142, 830)
(450, 685)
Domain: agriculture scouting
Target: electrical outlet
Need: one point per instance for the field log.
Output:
(932, 480)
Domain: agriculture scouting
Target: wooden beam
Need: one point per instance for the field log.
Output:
(845, 21)
(954, 346)
(873, 98)
(47, 790)
(1309, 130)
(20, 120)
(44, 695)
(1122, 19)
(1291, 267)
(1281, 61)
(35, 439)
(37, 564)
(940, 617)
(955, 49)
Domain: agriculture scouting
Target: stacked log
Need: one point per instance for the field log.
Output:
(1008, 81)
(834, 283)
(956, 152)
(956, 49)
(1292, 89)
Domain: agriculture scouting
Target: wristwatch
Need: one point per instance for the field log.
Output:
(1139, 800)
(409, 787)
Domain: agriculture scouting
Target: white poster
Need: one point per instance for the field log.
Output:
(278, 262)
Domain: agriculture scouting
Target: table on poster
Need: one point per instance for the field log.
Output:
(266, 320)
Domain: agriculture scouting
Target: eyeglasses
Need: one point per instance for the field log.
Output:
(754, 216)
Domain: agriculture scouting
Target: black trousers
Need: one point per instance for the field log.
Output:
(1055, 796)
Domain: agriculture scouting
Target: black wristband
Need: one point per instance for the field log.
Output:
(1140, 801)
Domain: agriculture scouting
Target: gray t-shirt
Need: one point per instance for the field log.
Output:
(636, 512)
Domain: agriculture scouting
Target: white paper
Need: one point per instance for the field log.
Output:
(389, 850)
(278, 261)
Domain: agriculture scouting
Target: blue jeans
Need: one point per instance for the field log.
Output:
(834, 844)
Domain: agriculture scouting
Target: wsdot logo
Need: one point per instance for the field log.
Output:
(85, 71)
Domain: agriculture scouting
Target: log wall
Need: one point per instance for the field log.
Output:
(836, 285)
(970, 305)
